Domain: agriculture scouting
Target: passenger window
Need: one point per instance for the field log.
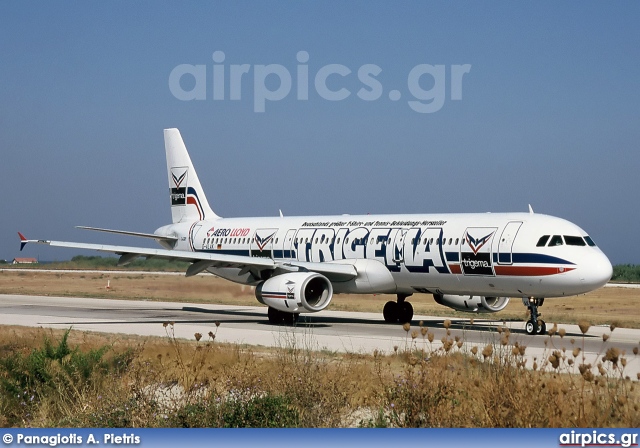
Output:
(457, 241)
(338, 242)
(542, 241)
(276, 240)
(450, 241)
(556, 240)
(574, 240)
(589, 241)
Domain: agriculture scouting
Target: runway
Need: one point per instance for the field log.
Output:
(328, 330)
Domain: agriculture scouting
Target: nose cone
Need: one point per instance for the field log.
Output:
(595, 271)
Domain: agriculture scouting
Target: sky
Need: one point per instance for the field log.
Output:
(344, 107)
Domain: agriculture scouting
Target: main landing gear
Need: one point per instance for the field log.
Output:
(534, 325)
(398, 312)
(281, 318)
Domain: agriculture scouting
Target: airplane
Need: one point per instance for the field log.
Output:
(473, 262)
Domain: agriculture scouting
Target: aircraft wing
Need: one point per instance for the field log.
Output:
(170, 239)
(336, 272)
(203, 260)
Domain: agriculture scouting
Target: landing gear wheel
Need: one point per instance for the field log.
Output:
(390, 312)
(289, 318)
(534, 325)
(405, 313)
(275, 317)
(530, 327)
(398, 312)
(278, 317)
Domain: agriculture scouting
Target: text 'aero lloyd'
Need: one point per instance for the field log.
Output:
(469, 262)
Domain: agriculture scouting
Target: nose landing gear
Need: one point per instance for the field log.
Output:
(398, 312)
(534, 325)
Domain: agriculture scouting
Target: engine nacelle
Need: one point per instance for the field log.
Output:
(296, 292)
(472, 304)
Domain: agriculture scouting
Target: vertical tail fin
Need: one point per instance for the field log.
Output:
(188, 201)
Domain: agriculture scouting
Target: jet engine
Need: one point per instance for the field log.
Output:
(296, 292)
(472, 304)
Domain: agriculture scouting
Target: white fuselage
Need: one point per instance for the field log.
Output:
(491, 254)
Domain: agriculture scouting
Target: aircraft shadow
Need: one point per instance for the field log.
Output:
(235, 316)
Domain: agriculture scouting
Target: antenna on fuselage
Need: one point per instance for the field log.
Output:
(530, 209)
(281, 215)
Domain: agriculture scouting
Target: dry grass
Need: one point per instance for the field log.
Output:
(603, 306)
(204, 383)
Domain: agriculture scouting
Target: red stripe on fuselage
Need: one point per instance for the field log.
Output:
(530, 271)
(455, 269)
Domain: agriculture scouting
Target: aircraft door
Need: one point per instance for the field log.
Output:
(505, 244)
(398, 246)
(289, 251)
(262, 243)
(195, 240)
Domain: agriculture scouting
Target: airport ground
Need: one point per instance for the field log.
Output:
(617, 305)
(446, 373)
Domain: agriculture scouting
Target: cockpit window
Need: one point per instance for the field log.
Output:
(556, 240)
(543, 241)
(574, 240)
(589, 241)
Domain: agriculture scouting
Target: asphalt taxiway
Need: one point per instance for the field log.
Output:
(328, 330)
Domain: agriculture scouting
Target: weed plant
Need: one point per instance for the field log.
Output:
(425, 383)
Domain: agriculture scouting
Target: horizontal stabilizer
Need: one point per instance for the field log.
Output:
(23, 241)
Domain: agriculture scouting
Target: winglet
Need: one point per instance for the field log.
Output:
(23, 241)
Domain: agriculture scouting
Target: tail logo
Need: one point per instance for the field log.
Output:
(179, 186)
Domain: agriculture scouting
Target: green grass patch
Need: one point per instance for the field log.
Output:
(628, 273)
